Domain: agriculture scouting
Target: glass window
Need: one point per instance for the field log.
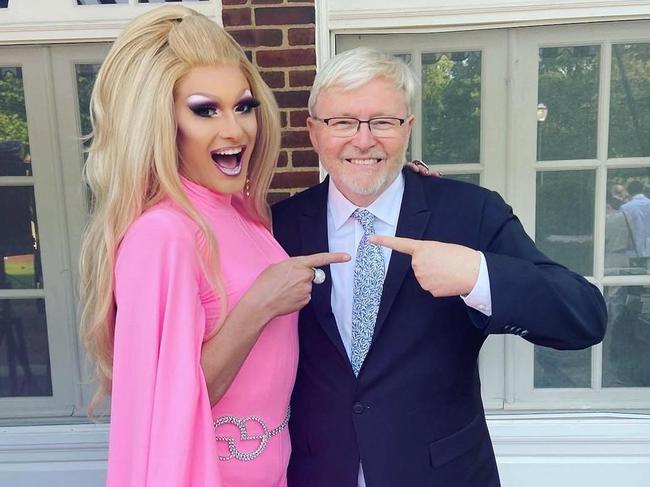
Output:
(568, 129)
(19, 245)
(86, 75)
(24, 349)
(562, 368)
(626, 348)
(564, 231)
(629, 106)
(568, 91)
(468, 178)
(15, 158)
(564, 221)
(451, 107)
(627, 222)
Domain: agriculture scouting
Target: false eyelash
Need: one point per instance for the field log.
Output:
(249, 104)
(204, 109)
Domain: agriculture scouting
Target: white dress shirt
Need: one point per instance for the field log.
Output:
(344, 234)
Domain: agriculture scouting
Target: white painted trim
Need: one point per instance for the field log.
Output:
(62, 455)
(525, 444)
(53, 442)
(22, 293)
(568, 450)
(324, 48)
(376, 15)
(322, 32)
(54, 21)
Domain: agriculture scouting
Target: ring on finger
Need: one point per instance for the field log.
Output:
(319, 276)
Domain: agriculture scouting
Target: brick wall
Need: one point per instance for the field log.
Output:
(279, 38)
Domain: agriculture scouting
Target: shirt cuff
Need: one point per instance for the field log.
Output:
(480, 297)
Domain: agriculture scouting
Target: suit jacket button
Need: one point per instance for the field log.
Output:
(357, 408)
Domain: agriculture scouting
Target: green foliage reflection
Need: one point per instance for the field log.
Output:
(451, 107)
(86, 74)
(629, 126)
(13, 118)
(568, 86)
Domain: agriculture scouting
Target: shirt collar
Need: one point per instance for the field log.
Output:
(386, 207)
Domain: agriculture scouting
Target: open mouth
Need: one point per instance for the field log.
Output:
(228, 161)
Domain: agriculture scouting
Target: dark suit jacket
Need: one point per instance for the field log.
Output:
(414, 415)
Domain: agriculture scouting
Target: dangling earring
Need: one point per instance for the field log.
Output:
(247, 188)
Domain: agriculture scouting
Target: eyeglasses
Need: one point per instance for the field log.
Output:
(348, 126)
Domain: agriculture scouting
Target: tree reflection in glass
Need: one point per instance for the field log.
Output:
(451, 107)
(629, 109)
(568, 86)
(626, 348)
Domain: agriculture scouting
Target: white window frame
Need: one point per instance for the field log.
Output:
(371, 16)
(52, 21)
(54, 135)
(55, 260)
(509, 102)
(525, 45)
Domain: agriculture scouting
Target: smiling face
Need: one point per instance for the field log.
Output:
(362, 166)
(214, 111)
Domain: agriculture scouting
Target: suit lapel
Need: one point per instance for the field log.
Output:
(413, 219)
(313, 231)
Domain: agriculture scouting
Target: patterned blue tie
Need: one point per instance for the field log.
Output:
(366, 291)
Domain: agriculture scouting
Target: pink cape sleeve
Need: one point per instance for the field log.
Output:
(161, 430)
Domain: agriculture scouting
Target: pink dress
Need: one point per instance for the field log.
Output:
(162, 432)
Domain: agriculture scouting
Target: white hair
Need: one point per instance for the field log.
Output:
(358, 66)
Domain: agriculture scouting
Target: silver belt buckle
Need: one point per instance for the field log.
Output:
(241, 423)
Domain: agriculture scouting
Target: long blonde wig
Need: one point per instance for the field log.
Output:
(133, 162)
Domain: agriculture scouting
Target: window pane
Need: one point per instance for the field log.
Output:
(568, 87)
(629, 113)
(14, 141)
(86, 75)
(406, 57)
(626, 348)
(4, 3)
(20, 265)
(564, 218)
(627, 222)
(562, 368)
(468, 178)
(451, 107)
(24, 352)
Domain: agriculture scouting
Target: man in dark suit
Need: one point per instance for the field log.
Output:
(387, 392)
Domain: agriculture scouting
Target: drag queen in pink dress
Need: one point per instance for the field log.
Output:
(189, 304)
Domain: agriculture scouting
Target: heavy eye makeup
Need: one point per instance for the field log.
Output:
(247, 104)
(205, 107)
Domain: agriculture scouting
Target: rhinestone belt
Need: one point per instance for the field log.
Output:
(263, 438)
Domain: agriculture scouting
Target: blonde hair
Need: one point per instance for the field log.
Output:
(133, 161)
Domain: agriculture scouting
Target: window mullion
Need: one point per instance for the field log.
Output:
(601, 154)
(416, 135)
(603, 100)
(597, 367)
